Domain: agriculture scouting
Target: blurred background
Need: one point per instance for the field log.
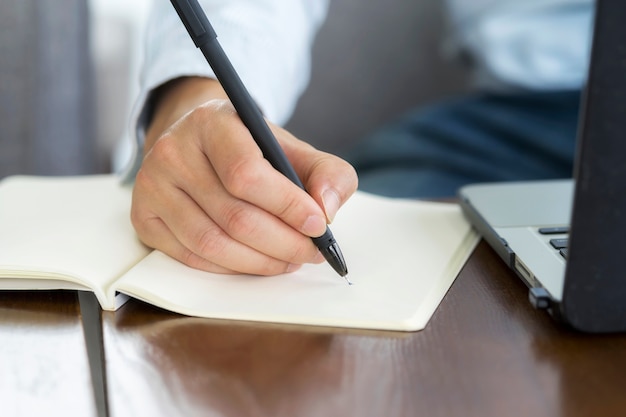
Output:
(64, 107)
(68, 74)
(117, 28)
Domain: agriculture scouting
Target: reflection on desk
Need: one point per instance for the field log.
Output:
(486, 352)
(44, 369)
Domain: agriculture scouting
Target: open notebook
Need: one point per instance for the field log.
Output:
(75, 233)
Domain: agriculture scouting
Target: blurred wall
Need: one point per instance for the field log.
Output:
(117, 28)
(46, 88)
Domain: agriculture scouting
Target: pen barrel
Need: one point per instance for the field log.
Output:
(195, 21)
(204, 37)
(247, 109)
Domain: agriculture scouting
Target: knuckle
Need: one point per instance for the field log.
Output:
(142, 179)
(142, 213)
(288, 205)
(144, 231)
(271, 267)
(239, 220)
(166, 151)
(144, 182)
(189, 258)
(209, 243)
(241, 176)
(302, 252)
(140, 218)
(137, 219)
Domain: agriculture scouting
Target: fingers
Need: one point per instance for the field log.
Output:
(237, 219)
(181, 207)
(206, 196)
(248, 176)
(156, 233)
(197, 241)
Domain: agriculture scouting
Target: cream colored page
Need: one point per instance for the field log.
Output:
(74, 229)
(402, 258)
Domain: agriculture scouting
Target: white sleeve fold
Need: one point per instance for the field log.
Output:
(530, 44)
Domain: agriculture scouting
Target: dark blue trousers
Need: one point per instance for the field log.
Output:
(432, 151)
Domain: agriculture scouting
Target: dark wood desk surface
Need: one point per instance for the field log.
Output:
(486, 352)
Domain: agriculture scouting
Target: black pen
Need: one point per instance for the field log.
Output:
(205, 39)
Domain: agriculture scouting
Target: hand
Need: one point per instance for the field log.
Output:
(206, 196)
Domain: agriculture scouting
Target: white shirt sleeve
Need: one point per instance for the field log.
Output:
(529, 44)
(268, 42)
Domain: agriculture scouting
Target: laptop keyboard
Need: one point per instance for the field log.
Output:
(558, 243)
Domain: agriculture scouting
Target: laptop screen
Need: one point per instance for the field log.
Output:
(595, 288)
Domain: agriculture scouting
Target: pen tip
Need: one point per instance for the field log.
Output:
(331, 252)
(334, 257)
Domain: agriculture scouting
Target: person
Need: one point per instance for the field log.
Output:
(519, 123)
(204, 194)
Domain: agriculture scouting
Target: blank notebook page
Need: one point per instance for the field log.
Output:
(402, 257)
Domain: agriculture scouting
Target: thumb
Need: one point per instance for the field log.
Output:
(327, 178)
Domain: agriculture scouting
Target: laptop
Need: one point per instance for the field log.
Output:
(566, 239)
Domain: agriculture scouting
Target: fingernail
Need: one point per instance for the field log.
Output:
(331, 202)
(292, 268)
(314, 226)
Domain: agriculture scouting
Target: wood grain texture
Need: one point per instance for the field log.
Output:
(486, 352)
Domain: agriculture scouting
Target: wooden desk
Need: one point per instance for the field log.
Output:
(44, 369)
(486, 352)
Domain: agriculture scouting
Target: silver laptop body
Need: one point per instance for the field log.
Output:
(576, 273)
